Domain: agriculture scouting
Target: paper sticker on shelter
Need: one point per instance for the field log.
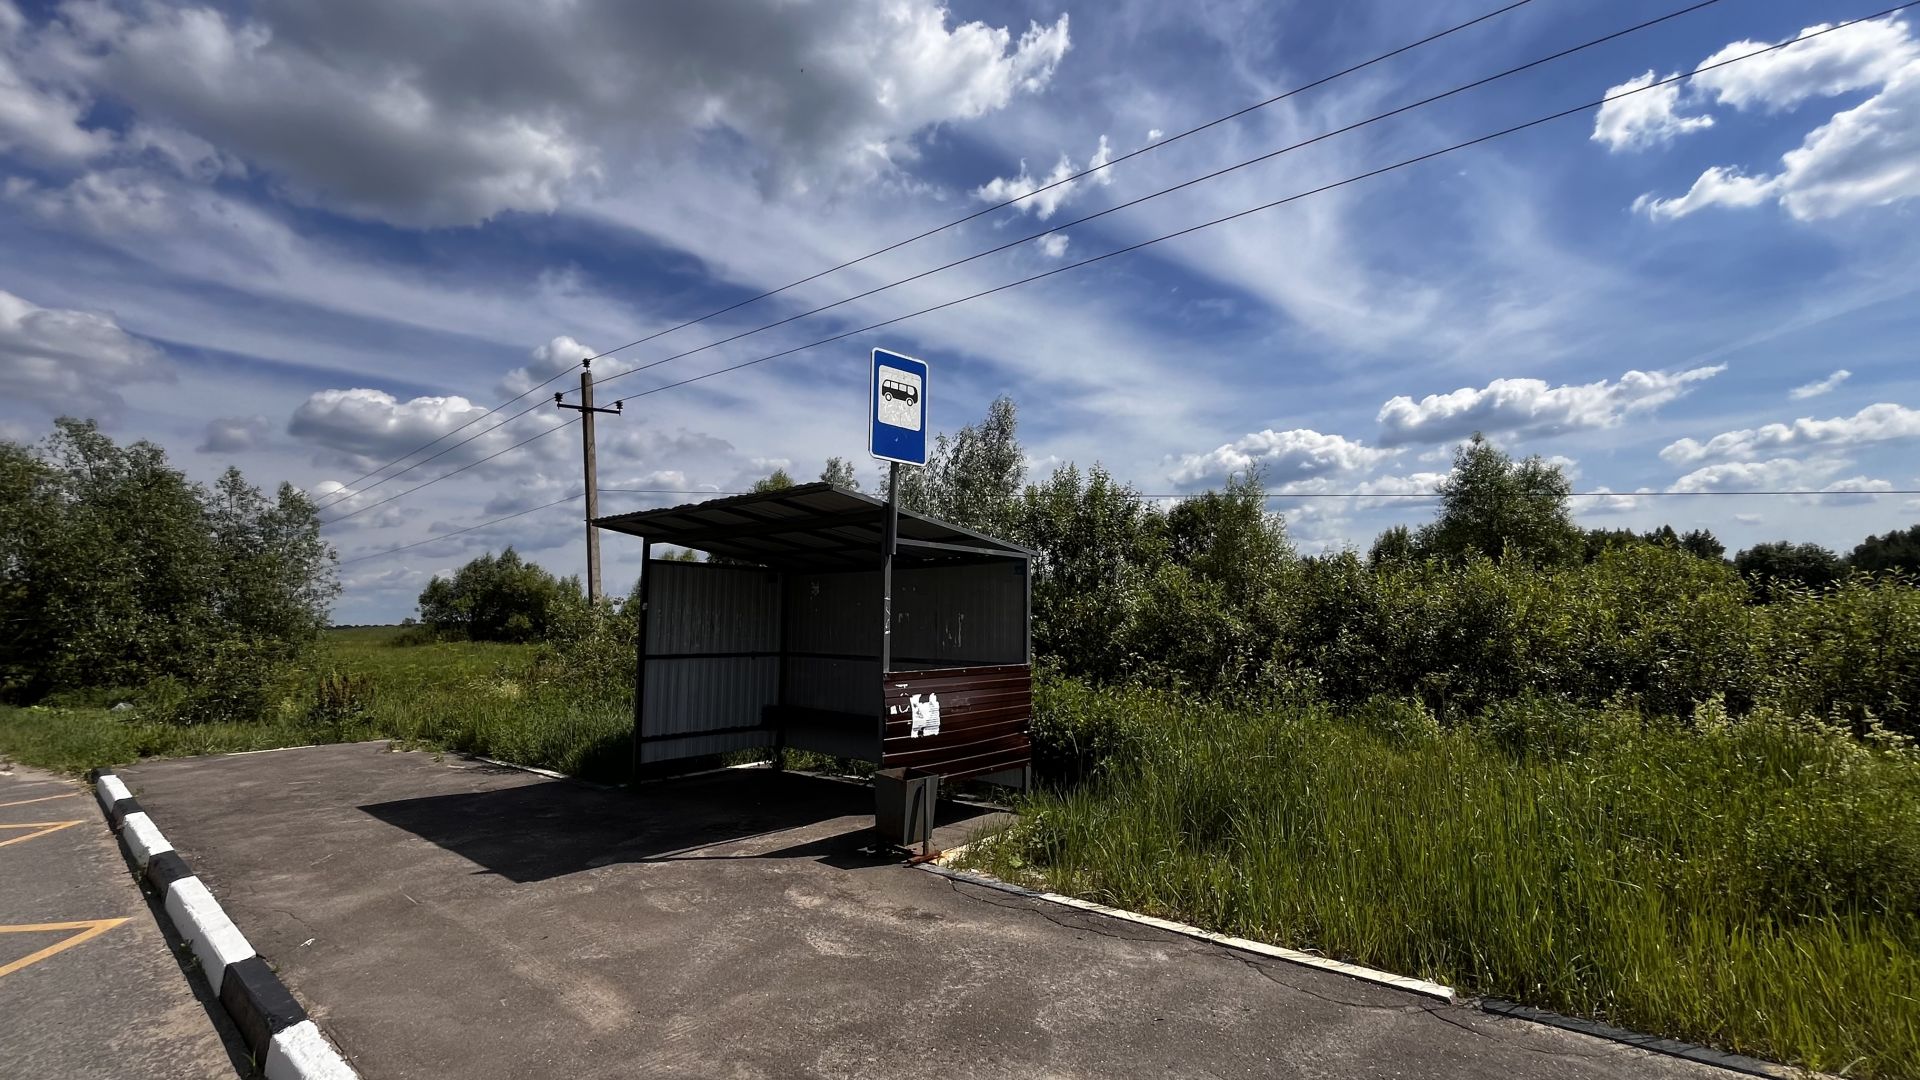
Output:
(789, 652)
(926, 715)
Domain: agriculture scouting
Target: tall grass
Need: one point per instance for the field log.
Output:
(474, 697)
(1752, 886)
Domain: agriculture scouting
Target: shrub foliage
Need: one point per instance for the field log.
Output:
(116, 570)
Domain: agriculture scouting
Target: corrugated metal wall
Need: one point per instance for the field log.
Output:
(942, 616)
(951, 616)
(695, 609)
(973, 615)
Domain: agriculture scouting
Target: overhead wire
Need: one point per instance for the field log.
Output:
(1404, 163)
(455, 472)
(456, 532)
(1501, 133)
(1150, 147)
(1182, 185)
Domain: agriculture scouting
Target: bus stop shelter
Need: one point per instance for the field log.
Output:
(806, 629)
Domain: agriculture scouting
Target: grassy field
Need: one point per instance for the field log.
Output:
(1754, 887)
(475, 697)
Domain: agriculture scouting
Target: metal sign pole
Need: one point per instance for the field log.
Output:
(890, 540)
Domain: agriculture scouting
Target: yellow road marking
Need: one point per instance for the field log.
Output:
(43, 798)
(45, 827)
(89, 929)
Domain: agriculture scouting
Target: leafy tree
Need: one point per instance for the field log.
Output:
(973, 477)
(839, 472)
(1776, 568)
(271, 577)
(1502, 509)
(115, 569)
(1702, 544)
(1897, 550)
(1094, 536)
(1394, 547)
(1212, 615)
(499, 598)
(778, 480)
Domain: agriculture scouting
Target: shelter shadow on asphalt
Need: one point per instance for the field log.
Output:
(547, 829)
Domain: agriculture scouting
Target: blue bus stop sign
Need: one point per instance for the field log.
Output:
(898, 412)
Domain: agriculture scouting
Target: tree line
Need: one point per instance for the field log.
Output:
(1501, 597)
(117, 571)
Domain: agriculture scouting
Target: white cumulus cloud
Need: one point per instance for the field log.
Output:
(1864, 156)
(1881, 422)
(362, 428)
(234, 434)
(555, 357)
(1532, 406)
(70, 360)
(1284, 456)
(1635, 121)
(1057, 187)
(377, 111)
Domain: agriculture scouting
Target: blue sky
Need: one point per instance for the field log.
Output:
(305, 237)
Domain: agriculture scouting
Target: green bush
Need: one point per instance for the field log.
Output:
(115, 569)
(1079, 729)
(1850, 653)
(241, 682)
(499, 598)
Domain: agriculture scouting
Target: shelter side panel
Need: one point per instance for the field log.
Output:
(712, 664)
(959, 722)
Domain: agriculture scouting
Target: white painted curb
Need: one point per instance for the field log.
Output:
(260, 1002)
(197, 917)
(143, 839)
(301, 1053)
(110, 789)
(1292, 956)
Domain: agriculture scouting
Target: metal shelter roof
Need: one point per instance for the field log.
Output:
(809, 527)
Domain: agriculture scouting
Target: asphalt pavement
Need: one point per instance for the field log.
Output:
(444, 917)
(90, 985)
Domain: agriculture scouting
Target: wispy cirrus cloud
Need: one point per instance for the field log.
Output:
(1820, 386)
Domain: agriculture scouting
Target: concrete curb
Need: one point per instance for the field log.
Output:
(283, 1041)
(1259, 948)
(1705, 1055)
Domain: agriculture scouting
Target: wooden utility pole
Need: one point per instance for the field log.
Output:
(586, 409)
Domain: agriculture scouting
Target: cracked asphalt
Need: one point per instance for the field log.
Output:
(443, 917)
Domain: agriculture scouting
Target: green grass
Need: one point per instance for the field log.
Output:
(1754, 887)
(475, 697)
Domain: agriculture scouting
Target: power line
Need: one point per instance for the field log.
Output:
(1503, 132)
(347, 494)
(1090, 170)
(464, 468)
(457, 532)
(1270, 155)
(1217, 173)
